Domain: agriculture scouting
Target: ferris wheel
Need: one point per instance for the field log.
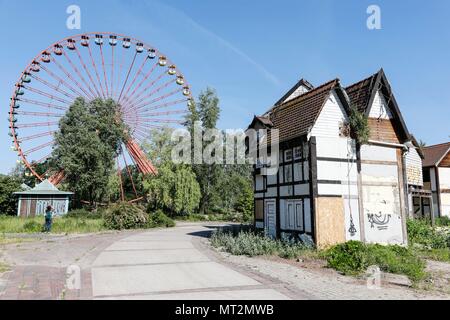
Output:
(149, 89)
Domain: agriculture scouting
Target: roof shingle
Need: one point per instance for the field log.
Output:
(297, 116)
(433, 154)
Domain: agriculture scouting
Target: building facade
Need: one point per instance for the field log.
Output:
(329, 188)
(33, 202)
(436, 172)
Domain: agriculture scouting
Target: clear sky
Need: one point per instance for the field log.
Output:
(253, 51)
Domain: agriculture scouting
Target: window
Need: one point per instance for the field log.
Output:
(259, 210)
(297, 153)
(288, 155)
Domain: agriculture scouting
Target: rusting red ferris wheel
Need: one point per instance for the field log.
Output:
(150, 90)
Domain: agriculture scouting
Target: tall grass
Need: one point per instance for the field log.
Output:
(9, 224)
(252, 244)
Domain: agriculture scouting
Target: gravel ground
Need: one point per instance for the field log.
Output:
(323, 283)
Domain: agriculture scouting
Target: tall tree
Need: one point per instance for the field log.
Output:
(89, 138)
(8, 185)
(208, 175)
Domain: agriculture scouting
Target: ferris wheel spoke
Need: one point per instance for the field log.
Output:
(104, 70)
(163, 113)
(126, 79)
(77, 71)
(52, 86)
(94, 65)
(40, 161)
(161, 87)
(40, 114)
(139, 105)
(36, 136)
(46, 94)
(151, 84)
(37, 124)
(164, 105)
(119, 74)
(139, 71)
(62, 81)
(43, 104)
(68, 75)
(87, 71)
(39, 147)
(144, 79)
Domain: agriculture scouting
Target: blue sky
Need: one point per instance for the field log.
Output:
(253, 51)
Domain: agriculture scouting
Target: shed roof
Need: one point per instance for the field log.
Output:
(44, 188)
(435, 154)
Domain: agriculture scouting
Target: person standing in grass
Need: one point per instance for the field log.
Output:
(48, 219)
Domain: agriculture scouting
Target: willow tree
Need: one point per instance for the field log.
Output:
(88, 140)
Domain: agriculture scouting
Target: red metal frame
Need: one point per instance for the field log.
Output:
(64, 84)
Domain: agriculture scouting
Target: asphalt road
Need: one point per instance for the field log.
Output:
(169, 264)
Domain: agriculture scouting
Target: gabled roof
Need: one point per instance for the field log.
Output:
(362, 94)
(44, 188)
(301, 82)
(265, 121)
(435, 154)
(296, 117)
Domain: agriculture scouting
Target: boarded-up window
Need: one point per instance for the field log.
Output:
(259, 210)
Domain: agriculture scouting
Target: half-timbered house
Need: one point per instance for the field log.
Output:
(328, 187)
(436, 176)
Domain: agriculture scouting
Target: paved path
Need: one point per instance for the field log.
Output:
(167, 264)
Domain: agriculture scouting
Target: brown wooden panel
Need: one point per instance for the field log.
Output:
(259, 209)
(33, 208)
(446, 161)
(330, 221)
(383, 130)
(23, 208)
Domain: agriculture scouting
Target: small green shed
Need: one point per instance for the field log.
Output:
(34, 201)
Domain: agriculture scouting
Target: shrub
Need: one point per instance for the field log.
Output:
(252, 244)
(442, 221)
(348, 258)
(125, 216)
(159, 219)
(355, 257)
(420, 232)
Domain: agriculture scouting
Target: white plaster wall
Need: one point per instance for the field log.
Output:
(330, 118)
(379, 108)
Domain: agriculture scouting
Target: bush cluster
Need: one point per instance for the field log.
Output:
(159, 219)
(252, 244)
(125, 216)
(421, 233)
(355, 257)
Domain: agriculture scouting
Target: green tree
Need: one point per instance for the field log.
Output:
(89, 138)
(244, 203)
(8, 185)
(174, 189)
(208, 175)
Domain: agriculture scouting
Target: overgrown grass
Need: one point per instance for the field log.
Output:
(354, 257)
(10, 224)
(81, 222)
(252, 244)
(430, 242)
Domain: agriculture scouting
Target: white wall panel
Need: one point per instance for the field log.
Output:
(379, 153)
